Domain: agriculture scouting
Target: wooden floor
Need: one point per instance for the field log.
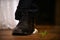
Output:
(51, 33)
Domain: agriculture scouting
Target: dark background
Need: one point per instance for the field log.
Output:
(46, 13)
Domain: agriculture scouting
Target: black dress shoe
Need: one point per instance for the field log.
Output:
(22, 32)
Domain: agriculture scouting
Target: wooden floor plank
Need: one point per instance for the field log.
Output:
(53, 33)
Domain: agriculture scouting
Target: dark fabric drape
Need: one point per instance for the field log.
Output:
(26, 6)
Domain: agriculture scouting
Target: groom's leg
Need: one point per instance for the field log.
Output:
(26, 25)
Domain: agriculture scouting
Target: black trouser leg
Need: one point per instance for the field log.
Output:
(25, 25)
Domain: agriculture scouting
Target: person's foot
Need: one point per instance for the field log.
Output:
(18, 32)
